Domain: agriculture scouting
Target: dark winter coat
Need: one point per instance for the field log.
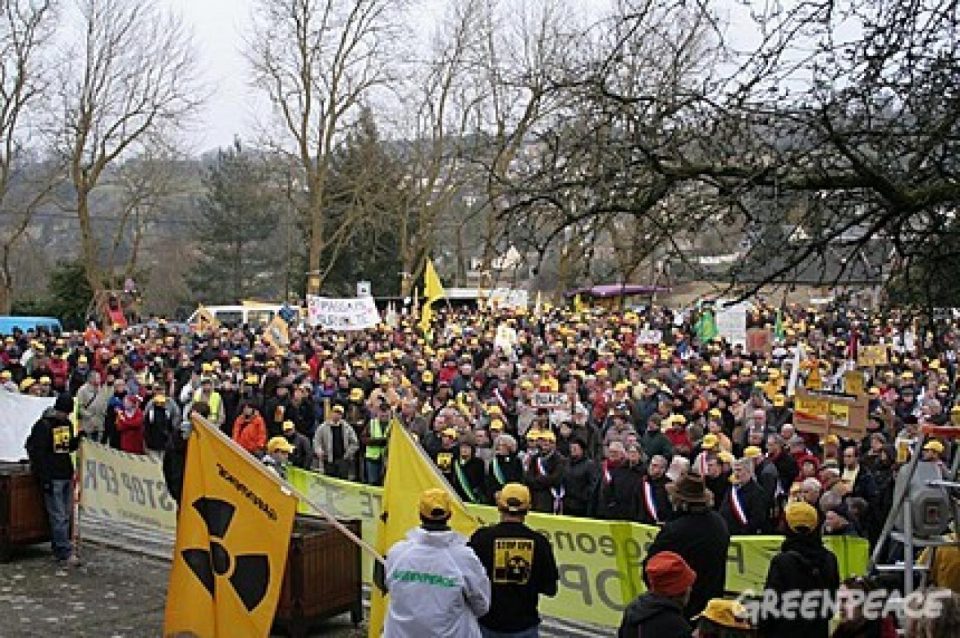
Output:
(653, 615)
(803, 564)
(755, 507)
(619, 499)
(580, 481)
(700, 536)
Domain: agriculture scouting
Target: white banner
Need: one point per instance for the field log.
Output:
(342, 314)
(18, 413)
(649, 337)
(732, 323)
(509, 298)
(124, 487)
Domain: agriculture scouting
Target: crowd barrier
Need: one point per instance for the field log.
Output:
(599, 561)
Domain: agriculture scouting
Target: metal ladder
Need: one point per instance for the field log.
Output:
(901, 494)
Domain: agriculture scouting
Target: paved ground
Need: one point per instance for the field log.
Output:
(115, 594)
(121, 590)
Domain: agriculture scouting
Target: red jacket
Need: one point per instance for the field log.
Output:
(250, 434)
(130, 428)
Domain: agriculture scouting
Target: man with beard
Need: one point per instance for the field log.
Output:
(744, 509)
(505, 467)
(655, 506)
(579, 481)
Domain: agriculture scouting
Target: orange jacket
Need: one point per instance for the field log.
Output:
(250, 434)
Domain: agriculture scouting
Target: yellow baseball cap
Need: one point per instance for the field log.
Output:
(279, 444)
(288, 426)
(715, 412)
(831, 439)
(709, 442)
(751, 452)
(726, 457)
(27, 383)
(514, 498)
(934, 446)
(496, 424)
(547, 435)
(779, 400)
(451, 432)
(801, 516)
(726, 613)
(356, 394)
(435, 504)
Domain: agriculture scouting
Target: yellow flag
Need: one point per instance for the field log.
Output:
(578, 305)
(233, 534)
(432, 288)
(426, 316)
(409, 472)
(277, 333)
(205, 320)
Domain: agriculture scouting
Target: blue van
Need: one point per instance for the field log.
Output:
(50, 324)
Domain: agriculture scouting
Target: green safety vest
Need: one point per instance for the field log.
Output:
(377, 431)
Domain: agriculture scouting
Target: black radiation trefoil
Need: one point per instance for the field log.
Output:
(251, 572)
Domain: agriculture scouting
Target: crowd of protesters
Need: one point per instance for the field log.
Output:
(635, 418)
(637, 415)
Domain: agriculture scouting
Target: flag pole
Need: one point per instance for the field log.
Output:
(201, 423)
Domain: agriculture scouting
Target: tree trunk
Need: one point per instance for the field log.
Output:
(88, 243)
(315, 275)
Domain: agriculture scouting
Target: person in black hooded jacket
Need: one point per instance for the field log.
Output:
(802, 565)
(659, 612)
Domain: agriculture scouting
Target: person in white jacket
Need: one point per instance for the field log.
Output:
(437, 585)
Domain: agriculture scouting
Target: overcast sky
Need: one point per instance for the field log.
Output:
(233, 106)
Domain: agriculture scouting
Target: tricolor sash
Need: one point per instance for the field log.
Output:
(650, 500)
(738, 512)
(557, 492)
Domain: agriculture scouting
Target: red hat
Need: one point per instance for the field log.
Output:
(669, 575)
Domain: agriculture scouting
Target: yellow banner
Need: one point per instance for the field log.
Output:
(599, 561)
(124, 487)
(232, 541)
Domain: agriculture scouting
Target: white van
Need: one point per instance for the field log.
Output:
(232, 316)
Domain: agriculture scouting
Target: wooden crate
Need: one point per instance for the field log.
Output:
(23, 516)
(322, 579)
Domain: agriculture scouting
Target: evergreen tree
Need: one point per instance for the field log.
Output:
(239, 215)
(366, 192)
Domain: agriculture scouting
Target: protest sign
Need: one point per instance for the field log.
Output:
(759, 341)
(828, 413)
(359, 313)
(550, 400)
(649, 337)
(872, 356)
(18, 413)
(124, 487)
(732, 323)
(853, 382)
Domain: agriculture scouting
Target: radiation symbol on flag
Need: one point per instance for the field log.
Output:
(248, 574)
